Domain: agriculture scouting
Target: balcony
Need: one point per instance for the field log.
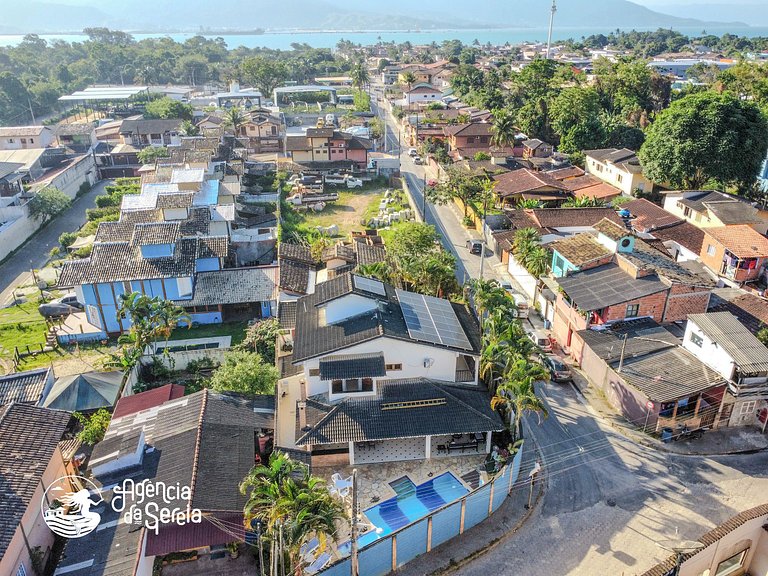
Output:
(465, 376)
(352, 386)
(465, 369)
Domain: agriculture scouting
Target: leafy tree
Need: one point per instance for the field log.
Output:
(762, 335)
(575, 114)
(458, 184)
(94, 426)
(246, 373)
(409, 78)
(264, 73)
(168, 108)
(261, 337)
(481, 157)
(706, 136)
(48, 203)
(583, 202)
(530, 203)
(150, 154)
(189, 129)
(288, 500)
(746, 80)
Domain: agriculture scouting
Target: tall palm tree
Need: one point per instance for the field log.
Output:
(536, 260)
(359, 75)
(524, 239)
(234, 118)
(287, 499)
(516, 393)
(503, 129)
(166, 317)
(409, 78)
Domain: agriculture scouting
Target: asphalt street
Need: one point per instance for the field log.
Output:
(608, 501)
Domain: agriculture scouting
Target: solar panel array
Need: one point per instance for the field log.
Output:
(369, 285)
(431, 319)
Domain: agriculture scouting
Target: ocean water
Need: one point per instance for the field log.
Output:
(283, 40)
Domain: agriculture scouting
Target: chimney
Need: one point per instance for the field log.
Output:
(301, 405)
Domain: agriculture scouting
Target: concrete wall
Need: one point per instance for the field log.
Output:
(525, 279)
(709, 352)
(16, 229)
(70, 179)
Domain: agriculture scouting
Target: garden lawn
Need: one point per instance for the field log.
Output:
(235, 329)
(21, 326)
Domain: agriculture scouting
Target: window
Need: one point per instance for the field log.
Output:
(731, 565)
(185, 287)
(389, 367)
(11, 140)
(31, 140)
(619, 178)
(23, 140)
(748, 408)
(558, 262)
(274, 130)
(632, 310)
(696, 339)
(314, 371)
(710, 250)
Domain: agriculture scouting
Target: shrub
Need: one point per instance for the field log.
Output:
(107, 201)
(83, 252)
(98, 213)
(67, 239)
(94, 427)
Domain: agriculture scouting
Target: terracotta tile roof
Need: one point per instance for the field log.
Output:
(600, 191)
(741, 240)
(647, 216)
(751, 310)
(566, 173)
(525, 180)
(24, 387)
(685, 234)
(580, 249)
(22, 131)
(577, 183)
(572, 217)
(294, 277)
(612, 229)
(472, 129)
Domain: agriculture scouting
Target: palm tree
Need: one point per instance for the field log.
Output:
(583, 202)
(166, 317)
(503, 129)
(529, 204)
(409, 78)
(536, 260)
(359, 75)
(288, 500)
(524, 239)
(235, 119)
(189, 129)
(488, 295)
(516, 393)
(378, 270)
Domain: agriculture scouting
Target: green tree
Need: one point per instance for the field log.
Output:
(409, 78)
(246, 373)
(503, 129)
(168, 108)
(48, 203)
(189, 129)
(234, 118)
(706, 136)
(150, 154)
(264, 73)
(94, 426)
(288, 500)
(458, 184)
(517, 392)
(583, 202)
(261, 338)
(359, 75)
(575, 115)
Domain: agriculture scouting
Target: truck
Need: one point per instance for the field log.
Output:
(345, 179)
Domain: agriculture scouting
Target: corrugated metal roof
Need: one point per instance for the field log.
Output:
(749, 354)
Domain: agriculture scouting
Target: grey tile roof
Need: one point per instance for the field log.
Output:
(369, 254)
(645, 257)
(749, 354)
(295, 252)
(728, 208)
(607, 285)
(401, 409)
(287, 314)
(669, 374)
(149, 126)
(644, 336)
(212, 247)
(29, 437)
(197, 223)
(234, 286)
(156, 233)
(294, 276)
(315, 339)
(180, 200)
(26, 387)
(352, 366)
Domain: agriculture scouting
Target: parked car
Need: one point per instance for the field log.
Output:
(64, 306)
(320, 123)
(558, 370)
(412, 152)
(475, 246)
(431, 183)
(339, 180)
(330, 119)
(418, 160)
(521, 302)
(541, 339)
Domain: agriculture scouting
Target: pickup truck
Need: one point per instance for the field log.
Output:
(350, 181)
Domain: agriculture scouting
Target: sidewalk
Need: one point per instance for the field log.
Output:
(458, 551)
(712, 442)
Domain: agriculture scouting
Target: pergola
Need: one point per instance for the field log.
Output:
(120, 98)
(304, 89)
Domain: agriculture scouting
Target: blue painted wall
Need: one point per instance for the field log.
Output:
(108, 307)
(206, 318)
(560, 265)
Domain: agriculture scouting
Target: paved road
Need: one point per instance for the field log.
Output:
(607, 500)
(34, 254)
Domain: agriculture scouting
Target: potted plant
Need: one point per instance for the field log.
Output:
(233, 548)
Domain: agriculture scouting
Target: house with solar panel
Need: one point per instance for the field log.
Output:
(173, 241)
(378, 374)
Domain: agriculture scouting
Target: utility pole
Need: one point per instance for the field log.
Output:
(551, 23)
(354, 564)
(31, 111)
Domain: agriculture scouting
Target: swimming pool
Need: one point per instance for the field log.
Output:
(411, 503)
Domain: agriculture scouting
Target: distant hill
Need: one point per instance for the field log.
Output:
(191, 15)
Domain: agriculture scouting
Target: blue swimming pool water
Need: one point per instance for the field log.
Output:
(409, 506)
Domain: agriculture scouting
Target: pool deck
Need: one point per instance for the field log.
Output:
(373, 479)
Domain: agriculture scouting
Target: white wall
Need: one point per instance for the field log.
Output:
(70, 179)
(527, 282)
(411, 355)
(347, 307)
(15, 232)
(709, 352)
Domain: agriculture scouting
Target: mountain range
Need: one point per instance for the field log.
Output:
(191, 15)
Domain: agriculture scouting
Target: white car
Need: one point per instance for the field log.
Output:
(412, 152)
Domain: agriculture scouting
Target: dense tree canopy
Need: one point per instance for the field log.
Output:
(703, 137)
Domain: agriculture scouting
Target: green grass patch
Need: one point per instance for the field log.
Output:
(234, 329)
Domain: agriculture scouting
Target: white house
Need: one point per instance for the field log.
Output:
(618, 167)
(25, 137)
(421, 94)
(724, 344)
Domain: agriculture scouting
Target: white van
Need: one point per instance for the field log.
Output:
(521, 303)
(541, 339)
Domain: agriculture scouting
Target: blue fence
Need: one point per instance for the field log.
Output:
(394, 550)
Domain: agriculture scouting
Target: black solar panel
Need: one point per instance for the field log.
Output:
(369, 285)
(431, 319)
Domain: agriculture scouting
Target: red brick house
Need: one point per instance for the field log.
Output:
(640, 281)
(526, 184)
(328, 145)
